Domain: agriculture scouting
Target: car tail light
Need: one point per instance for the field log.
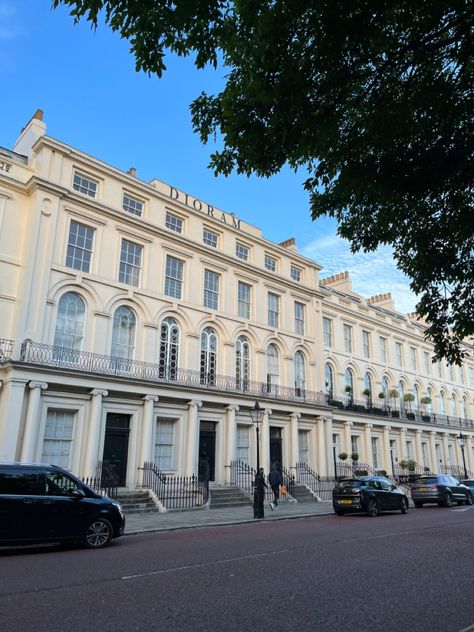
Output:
(434, 487)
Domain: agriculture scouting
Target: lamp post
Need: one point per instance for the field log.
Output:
(462, 443)
(256, 414)
(334, 446)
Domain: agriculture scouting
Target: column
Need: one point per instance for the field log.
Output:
(468, 454)
(434, 466)
(329, 447)
(231, 447)
(347, 437)
(93, 438)
(368, 445)
(386, 456)
(322, 466)
(30, 436)
(295, 451)
(192, 456)
(445, 448)
(11, 405)
(419, 448)
(265, 440)
(146, 439)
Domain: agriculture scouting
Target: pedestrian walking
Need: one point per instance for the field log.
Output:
(259, 494)
(276, 480)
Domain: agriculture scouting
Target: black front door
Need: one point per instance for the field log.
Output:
(275, 447)
(207, 450)
(116, 448)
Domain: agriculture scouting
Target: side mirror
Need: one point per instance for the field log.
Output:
(78, 494)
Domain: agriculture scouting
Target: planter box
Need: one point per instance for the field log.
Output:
(395, 413)
(425, 418)
(411, 416)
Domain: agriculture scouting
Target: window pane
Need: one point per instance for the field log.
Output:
(130, 263)
(174, 223)
(79, 248)
(84, 185)
(173, 277)
(132, 205)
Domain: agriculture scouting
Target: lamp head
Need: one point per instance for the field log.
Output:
(256, 413)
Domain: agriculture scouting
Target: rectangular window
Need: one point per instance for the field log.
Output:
(270, 263)
(242, 443)
(413, 358)
(375, 452)
(295, 273)
(354, 444)
(164, 444)
(426, 361)
(174, 223)
(273, 309)
(173, 277)
(299, 318)
(242, 252)
(409, 447)
(211, 289)
(210, 238)
(57, 438)
(243, 300)
(424, 451)
(327, 332)
(79, 247)
(130, 263)
(303, 446)
(347, 338)
(366, 344)
(383, 349)
(132, 205)
(399, 353)
(84, 185)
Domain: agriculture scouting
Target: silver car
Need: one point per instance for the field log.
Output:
(440, 489)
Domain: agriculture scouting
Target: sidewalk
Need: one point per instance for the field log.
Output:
(155, 521)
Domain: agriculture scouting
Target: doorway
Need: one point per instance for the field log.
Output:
(114, 464)
(207, 450)
(275, 447)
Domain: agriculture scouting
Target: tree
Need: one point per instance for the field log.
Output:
(374, 100)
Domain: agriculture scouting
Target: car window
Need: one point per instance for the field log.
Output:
(59, 484)
(429, 480)
(375, 484)
(385, 485)
(348, 484)
(21, 482)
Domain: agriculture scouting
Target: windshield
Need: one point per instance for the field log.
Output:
(346, 484)
(429, 480)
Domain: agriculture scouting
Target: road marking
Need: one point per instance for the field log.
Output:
(463, 509)
(203, 564)
(469, 629)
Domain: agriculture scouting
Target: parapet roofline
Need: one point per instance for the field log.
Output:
(8, 153)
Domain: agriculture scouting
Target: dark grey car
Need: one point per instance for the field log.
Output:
(440, 489)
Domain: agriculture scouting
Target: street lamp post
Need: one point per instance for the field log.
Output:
(334, 446)
(256, 414)
(462, 443)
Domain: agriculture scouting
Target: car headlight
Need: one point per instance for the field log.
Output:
(118, 506)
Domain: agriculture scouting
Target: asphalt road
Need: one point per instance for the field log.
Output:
(392, 573)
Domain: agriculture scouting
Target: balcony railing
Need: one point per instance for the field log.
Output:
(6, 349)
(62, 357)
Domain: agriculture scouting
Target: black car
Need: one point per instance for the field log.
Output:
(440, 489)
(44, 503)
(369, 494)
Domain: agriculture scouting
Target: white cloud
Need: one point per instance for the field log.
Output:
(371, 273)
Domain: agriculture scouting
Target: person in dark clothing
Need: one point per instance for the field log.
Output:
(275, 479)
(259, 494)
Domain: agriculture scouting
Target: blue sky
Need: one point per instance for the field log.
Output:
(93, 99)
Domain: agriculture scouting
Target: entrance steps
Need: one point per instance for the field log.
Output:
(224, 497)
(136, 502)
(302, 494)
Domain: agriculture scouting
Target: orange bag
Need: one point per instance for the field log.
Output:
(283, 490)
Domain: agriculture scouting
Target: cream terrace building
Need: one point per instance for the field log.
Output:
(139, 323)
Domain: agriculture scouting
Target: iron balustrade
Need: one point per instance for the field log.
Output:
(175, 492)
(105, 481)
(243, 476)
(6, 349)
(456, 471)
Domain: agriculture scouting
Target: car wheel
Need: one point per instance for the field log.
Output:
(448, 500)
(469, 499)
(404, 506)
(418, 505)
(372, 508)
(98, 533)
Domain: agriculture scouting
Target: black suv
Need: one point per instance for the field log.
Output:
(44, 503)
(369, 494)
(441, 489)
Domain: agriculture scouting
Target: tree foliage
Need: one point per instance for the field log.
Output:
(375, 99)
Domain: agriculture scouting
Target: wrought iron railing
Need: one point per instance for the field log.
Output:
(243, 476)
(62, 357)
(175, 492)
(105, 481)
(456, 470)
(6, 349)
(407, 476)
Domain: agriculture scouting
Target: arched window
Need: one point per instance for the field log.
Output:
(329, 379)
(443, 404)
(465, 408)
(242, 368)
(429, 407)
(416, 395)
(349, 384)
(272, 369)
(169, 349)
(123, 334)
(385, 387)
(299, 374)
(454, 411)
(69, 324)
(368, 383)
(401, 394)
(208, 365)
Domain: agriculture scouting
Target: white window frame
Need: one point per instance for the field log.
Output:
(347, 331)
(242, 251)
(296, 273)
(270, 263)
(131, 257)
(80, 247)
(85, 185)
(366, 343)
(211, 289)
(327, 331)
(132, 205)
(169, 444)
(273, 310)
(244, 299)
(299, 318)
(174, 277)
(210, 238)
(174, 223)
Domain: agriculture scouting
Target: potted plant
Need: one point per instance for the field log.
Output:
(355, 457)
(342, 456)
(411, 465)
(394, 394)
(404, 464)
(425, 401)
(368, 394)
(409, 398)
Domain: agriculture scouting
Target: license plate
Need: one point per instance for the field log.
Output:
(345, 502)
(423, 489)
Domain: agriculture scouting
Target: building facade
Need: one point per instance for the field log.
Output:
(140, 323)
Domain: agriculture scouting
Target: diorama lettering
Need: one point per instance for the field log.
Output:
(5, 166)
(204, 208)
